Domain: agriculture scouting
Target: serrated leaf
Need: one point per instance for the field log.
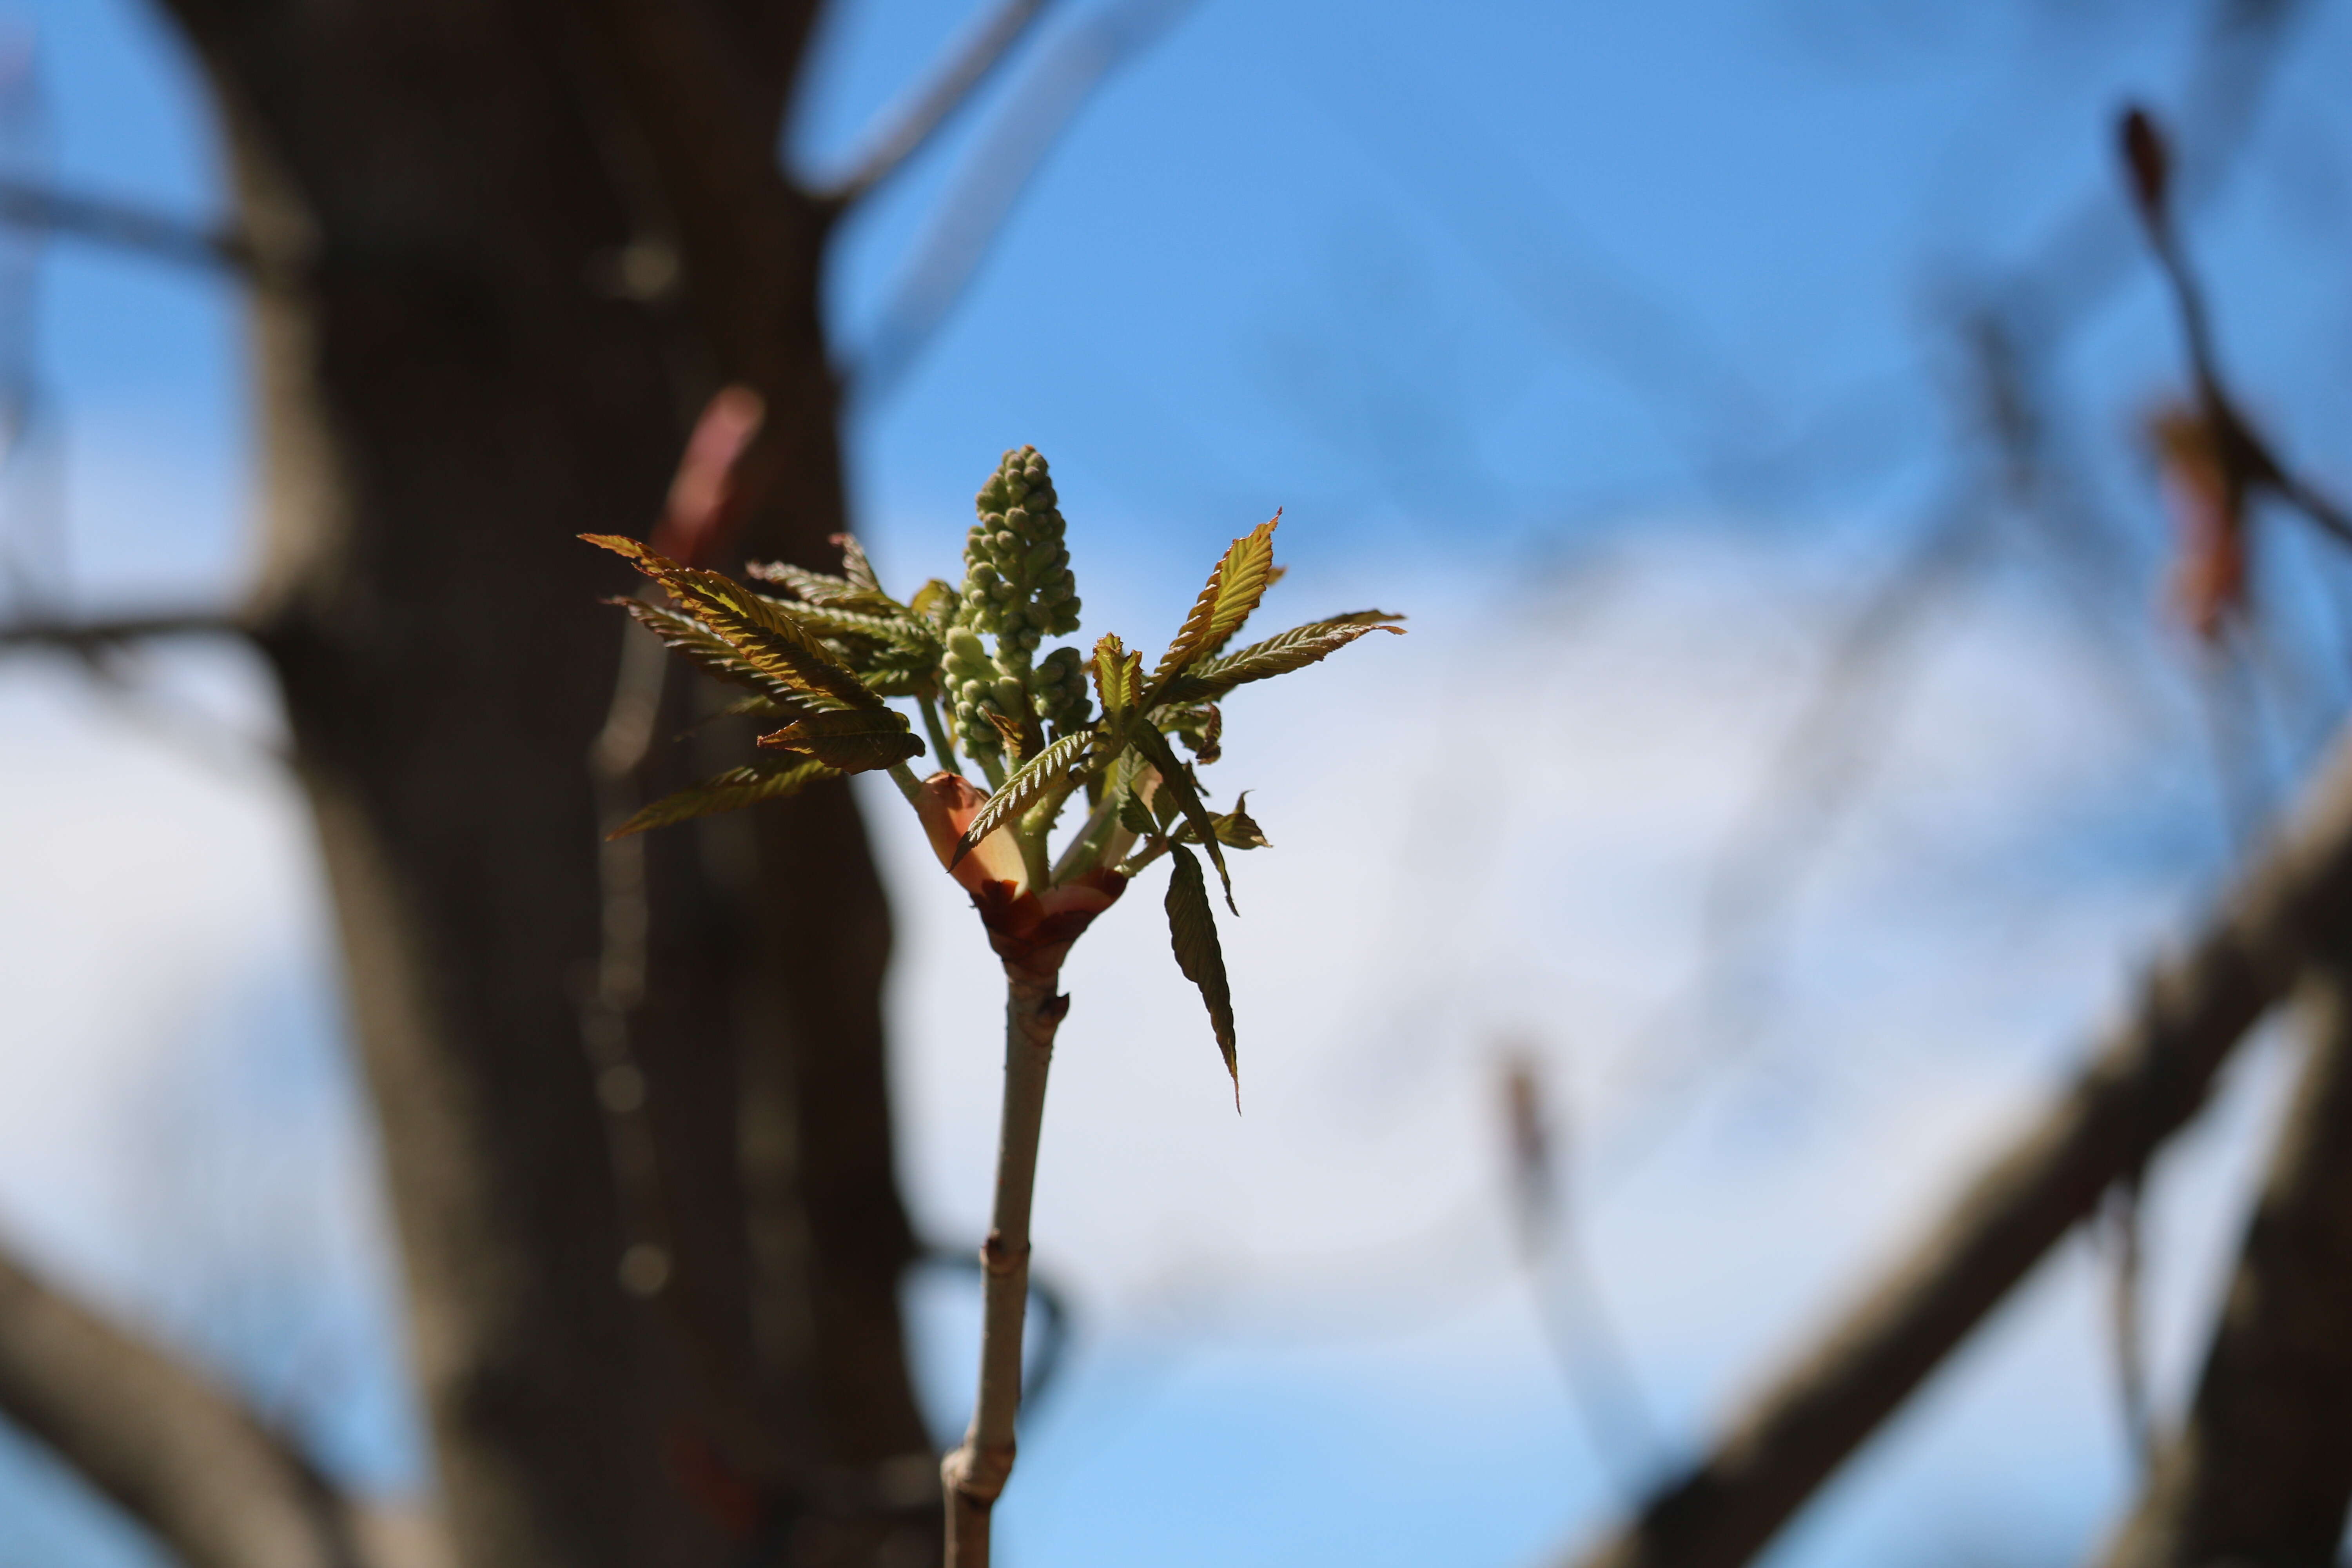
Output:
(1177, 783)
(822, 589)
(1294, 649)
(893, 631)
(856, 566)
(853, 740)
(1217, 644)
(1193, 932)
(1235, 585)
(1029, 784)
(1235, 829)
(705, 650)
(1118, 676)
(735, 788)
(757, 628)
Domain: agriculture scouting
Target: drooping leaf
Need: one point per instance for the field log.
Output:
(853, 740)
(757, 628)
(705, 650)
(1030, 783)
(1200, 726)
(1135, 817)
(1235, 585)
(1294, 649)
(728, 791)
(1193, 932)
(1117, 676)
(1235, 828)
(1176, 783)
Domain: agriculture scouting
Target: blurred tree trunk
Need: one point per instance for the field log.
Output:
(489, 294)
(2260, 1471)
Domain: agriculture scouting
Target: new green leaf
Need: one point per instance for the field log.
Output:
(1235, 586)
(1193, 932)
(1035, 779)
(1177, 781)
(725, 792)
(1293, 649)
(853, 740)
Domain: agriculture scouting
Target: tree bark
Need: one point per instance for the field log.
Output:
(2262, 1470)
(2150, 1078)
(181, 1454)
(458, 375)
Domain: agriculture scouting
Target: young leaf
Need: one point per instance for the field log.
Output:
(853, 740)
(856, 567)
(895, 630)
(1117, 676)
(705, 650)
(1235, 829)
(725, 792)
(823, 589)
(1293, 649)
(1031, 784)
(1177, 783)
(1193, 932)
(759, 629)
(1235, 586)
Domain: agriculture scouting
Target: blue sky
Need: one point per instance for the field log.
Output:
(1488, 297)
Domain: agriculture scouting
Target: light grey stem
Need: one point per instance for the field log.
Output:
(975, 1473)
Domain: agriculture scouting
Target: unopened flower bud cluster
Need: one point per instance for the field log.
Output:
(1018, 588)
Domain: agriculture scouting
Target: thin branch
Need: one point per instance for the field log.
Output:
(914, 127)
(173, 1449)
(2262, 1470)
(2149, 1077)
(120, 226)
(82, 637)
(1057, 86)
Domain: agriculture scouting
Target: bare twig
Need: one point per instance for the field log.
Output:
(913, 127)
(2150, 1078)
(120, 226)
(2261, 1471)
(82, 635)
(1056, 88)
(2249, 465)
(171, 1448)
(1575, 1321)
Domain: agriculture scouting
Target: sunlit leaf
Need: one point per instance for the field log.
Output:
(1118, 676)
(1294, 649)
(1193, 932)
(728, 791)
(1030, 783)
(757, 628)
(1235, 586)
(856, 567)
(705, 650)
(853, 740)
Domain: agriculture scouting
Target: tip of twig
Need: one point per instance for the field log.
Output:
(2151, 162)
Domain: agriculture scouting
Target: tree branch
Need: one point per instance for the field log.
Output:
(2261, 1471)
(1052, 92)
(982, 51)
(178, 1453)
(2150, 1077)
(122, 228)
(80, 636)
